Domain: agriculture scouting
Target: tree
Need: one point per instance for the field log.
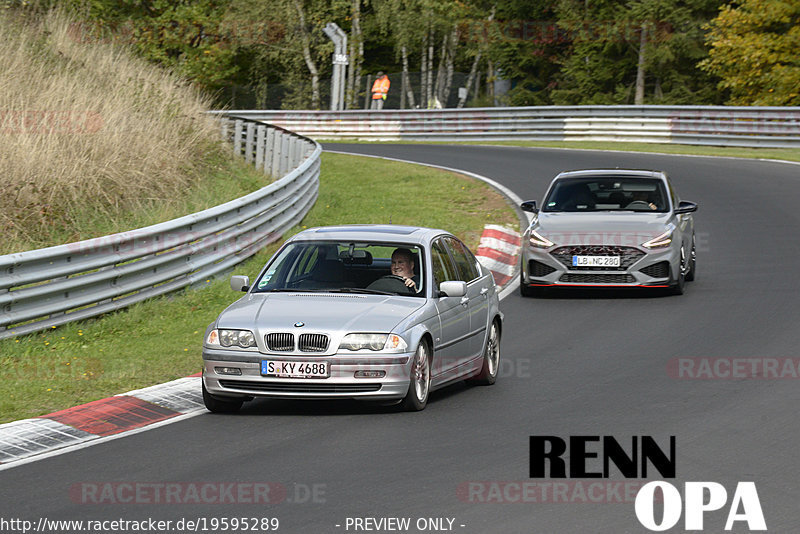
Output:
(185, 36)
(754, 49)
(643, 52)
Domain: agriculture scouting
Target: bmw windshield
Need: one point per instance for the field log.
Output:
(331, 266)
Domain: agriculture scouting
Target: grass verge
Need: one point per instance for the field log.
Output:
(95, 140)
(789, 154)
(160, 340)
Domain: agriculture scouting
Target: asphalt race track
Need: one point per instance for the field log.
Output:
(574, 364)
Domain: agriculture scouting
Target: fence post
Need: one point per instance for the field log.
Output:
(237, 137)
(226, 130)
(275, 167)
(261, 132)
(284, 154)
(293, 149)
(248, 147)
(269, 150)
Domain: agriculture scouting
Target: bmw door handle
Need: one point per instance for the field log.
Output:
(464, 301)
(484, 291)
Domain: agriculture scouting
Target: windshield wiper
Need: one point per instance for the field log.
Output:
(291, 290)
(361, 291)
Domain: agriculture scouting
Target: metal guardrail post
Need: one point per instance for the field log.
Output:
(237, 137)
(249, 144)
(275, 166)
(261, 132)
(269, 150)
(284, 168)
(293, 149)
(226, 129)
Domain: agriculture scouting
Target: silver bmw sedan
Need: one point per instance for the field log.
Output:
(374, 312)
(609, 228)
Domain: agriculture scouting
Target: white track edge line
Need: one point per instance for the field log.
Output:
(510, 288)
(100, 439)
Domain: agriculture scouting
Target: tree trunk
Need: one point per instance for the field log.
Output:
(490, 81)
(473, 72)
(470, 79)
(429, 82)
(423, 73)
(406, 78)
(356, 45)
(305, 40)
(638, 99)
(438, 86)
(451, 57)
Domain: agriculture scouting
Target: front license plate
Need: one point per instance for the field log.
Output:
(595, 261)
(295, 369)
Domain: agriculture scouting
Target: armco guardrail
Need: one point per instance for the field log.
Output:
(52, 286)
(692, 125)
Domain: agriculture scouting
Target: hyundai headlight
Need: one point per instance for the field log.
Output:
(661, 240)
(539, 241)
(373, 342)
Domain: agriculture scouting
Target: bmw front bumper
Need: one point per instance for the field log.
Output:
(341, 382)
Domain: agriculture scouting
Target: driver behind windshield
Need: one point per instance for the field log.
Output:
(403, 266)
(643, 196)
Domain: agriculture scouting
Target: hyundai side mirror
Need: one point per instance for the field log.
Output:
(685, 207)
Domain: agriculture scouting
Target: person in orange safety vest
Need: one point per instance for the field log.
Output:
(379, 89)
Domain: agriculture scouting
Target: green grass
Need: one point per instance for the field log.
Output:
(160, 340)
(220, 179)
(789, 154)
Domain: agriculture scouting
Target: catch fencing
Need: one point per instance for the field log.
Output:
(689, 125)
(48, 287)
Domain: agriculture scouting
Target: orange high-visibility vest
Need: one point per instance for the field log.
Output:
(380, 87)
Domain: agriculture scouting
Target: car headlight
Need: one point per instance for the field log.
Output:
(230, 338)
(374, 342)
(662, 240)
(539, 241)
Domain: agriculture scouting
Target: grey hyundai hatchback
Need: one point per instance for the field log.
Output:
(609, 228)
(327, 319)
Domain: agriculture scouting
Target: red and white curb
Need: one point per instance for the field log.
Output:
(97, 420)
(30, 440)
(498, 251)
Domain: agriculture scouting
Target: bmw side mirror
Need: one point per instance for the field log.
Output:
(685, 207)
(240, 283)
(452, 289)
(529, 205)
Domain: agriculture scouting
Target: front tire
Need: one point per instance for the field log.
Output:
(217, 405)
(692, 262)
(677, 287)
(491, 358)
(419, 387)
(527, 291)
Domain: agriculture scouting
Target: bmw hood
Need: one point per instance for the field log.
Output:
(601, 228)
(319, 312)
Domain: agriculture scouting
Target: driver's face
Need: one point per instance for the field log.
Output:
(402, 266)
